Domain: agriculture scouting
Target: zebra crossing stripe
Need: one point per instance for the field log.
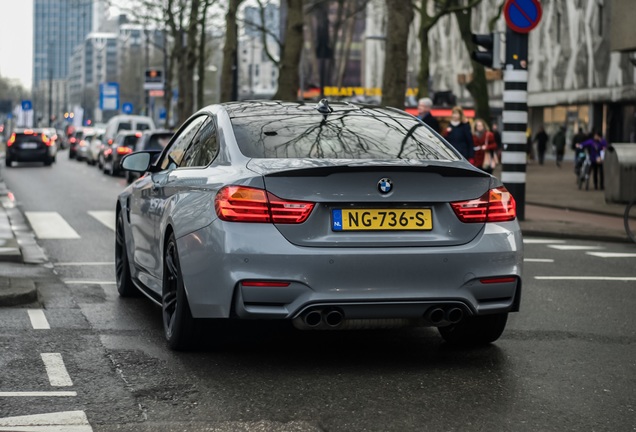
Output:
(50, 225)
(105, 217)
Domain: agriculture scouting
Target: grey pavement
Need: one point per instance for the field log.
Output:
(554, 207)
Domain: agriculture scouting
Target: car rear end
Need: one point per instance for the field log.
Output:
(367, 216)
(74, 141)
(121, 148)
(150, 140)
(30, 145)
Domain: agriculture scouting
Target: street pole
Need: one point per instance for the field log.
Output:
(521, 18)
(515, 118)
(50, 65)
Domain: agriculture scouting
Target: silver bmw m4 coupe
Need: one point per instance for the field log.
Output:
(331, 216)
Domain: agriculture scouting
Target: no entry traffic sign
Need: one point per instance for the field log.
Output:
(522, 15)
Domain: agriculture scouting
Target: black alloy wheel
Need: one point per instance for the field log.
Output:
(180, 329)
(475, 331)
(125, 286)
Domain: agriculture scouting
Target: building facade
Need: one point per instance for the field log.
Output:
(575, 79)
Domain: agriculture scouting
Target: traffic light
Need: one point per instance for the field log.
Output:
(491, 57)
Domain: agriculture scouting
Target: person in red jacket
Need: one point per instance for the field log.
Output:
(485, 147)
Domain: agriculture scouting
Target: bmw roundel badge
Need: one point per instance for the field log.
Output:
(385, 185)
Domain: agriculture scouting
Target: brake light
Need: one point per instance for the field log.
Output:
(110, 141)
(11, 140)
(496, 205)
(138, 134)
(28, 131)
(124, 150)
(73, 140)
(246, 204)
(46, 140)
(82, 143)
(107, 152)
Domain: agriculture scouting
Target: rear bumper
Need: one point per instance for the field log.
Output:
(35, 155)
(370, 282)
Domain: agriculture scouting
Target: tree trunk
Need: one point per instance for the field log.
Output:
(229, 52)
(288, 79)
(478, 87)
(202, 60)
(345, 52)
(400, 15)
(424, 74)
(189, 63)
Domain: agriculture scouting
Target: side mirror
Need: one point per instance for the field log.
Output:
(137, 162)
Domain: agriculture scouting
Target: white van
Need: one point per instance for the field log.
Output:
(126, 122)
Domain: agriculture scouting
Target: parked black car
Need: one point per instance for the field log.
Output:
(124, 144)
(150, 140)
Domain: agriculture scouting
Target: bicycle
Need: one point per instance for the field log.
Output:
(630, 220)
(584, 171)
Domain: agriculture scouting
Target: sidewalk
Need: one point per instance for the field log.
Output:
(555, 207)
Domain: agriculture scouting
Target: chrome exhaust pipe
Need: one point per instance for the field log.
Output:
(312, 318)
(435, 315)
(334, 318)
(454, 315)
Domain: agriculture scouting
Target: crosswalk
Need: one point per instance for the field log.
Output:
(53, 226)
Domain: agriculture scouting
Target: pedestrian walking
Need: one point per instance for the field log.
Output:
(541, 138)
(485, 147)
(424, 113)
(579, 155)
(459, 135)
(497, 135)
(596, 148)
(559, 145)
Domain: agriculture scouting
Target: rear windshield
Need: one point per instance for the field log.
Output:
(340, 136)
(158, 141)
(30, 137)
(130, 141)
(124, 126)
(143, 126)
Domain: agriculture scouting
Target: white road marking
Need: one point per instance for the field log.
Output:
(55, 369)
(106, 217)
(544, 260)
(51, 225)
(612, 254)
(586, 278)
(64, 264)
(66, 421)
(541, 241)
(88, 282)
(574, 247)
(38, 319)
(37, 394)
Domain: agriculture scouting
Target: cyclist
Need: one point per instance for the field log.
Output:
(596, 147)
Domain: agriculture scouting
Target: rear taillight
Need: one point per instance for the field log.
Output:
(11, 140)
(46, 140)
(124, 150)
(73, 140)
(246, 204)
(496, 205)
(108, 152)
(82, 143)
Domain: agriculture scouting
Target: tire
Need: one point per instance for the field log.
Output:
(125, 286)
(630, 220)
(475, 331)
(48, 162)
(8, 162)
(180, 328)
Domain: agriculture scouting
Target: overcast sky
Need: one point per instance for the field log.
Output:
(16, 40)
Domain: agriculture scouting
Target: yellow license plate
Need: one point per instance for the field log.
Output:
(381, 219)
